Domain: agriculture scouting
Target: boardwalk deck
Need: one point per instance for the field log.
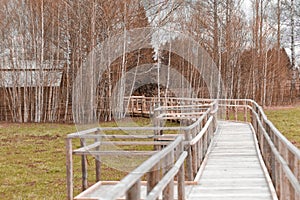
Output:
(233, 169)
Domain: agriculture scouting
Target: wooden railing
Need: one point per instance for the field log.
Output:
(281, 157)
(169, 161)
(96, 136)
(198, 119)
(144, 106)
(198, 124)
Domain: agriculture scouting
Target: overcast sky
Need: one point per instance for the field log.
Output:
(247, 8)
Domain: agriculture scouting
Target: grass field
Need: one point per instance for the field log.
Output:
(287, 121)
(32, 165)
(32, 161)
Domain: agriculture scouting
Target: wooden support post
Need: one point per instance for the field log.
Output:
(205, 142)
(132, 106)
(181, 184)
(181, 179)
(273, 166)
(277, 178)
(245, 111)
(84, 167)
(281, 184)
(220, 110)
(168, 192)
(227, 111)
(143, 106)
(156, 123)
(69, 168)
(254, 122)
(194, 159)
(134, 193)
(200, 156)
(252, 118)
(136, 107)
(97, 161)
(189, 158)
(235, 111)
(152, 178)
(297, 164)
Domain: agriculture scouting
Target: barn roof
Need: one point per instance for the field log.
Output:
(30, 73)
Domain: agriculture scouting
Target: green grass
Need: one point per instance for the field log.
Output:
(287, 121)
(32, 165)
(32, 161)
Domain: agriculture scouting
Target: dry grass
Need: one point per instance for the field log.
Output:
(287, 121)
(32, 161)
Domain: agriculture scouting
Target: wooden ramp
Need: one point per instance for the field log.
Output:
(233, 169)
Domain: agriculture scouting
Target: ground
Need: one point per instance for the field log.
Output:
(32, 165)
(286, 119)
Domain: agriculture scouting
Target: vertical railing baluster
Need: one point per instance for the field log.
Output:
(245, 112)
(84, 166)
(235, 110)
(97, 159)
(69, 168)
(168, 192)
(153, 177)
(188, 138)
(134, 193)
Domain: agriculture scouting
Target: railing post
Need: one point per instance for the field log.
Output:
(132, 106)
(277, 178)
(69, 168)
(252, 116)
(227, 112)
(245, 111)
(97, 161)
(152, 178)
(235, 111)
(215, 109)
(84, 167)
(168, 192)
(181, 181)
(134, 193)
(187, 136)
(156, 122)
(200, 152)
(194, 159)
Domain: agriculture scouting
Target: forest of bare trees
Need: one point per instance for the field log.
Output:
(44, 43)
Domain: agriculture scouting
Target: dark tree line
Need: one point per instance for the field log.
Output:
(44, 44)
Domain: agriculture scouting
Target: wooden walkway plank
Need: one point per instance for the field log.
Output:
(233, 169)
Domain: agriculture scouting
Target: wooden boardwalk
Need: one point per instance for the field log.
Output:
(234, 169)
(208, 159)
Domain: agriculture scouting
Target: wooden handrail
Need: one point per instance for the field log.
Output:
(202, 132)
(126, 183)
(293, 180)
(288, 144)
(281, 157)
(86, 133)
